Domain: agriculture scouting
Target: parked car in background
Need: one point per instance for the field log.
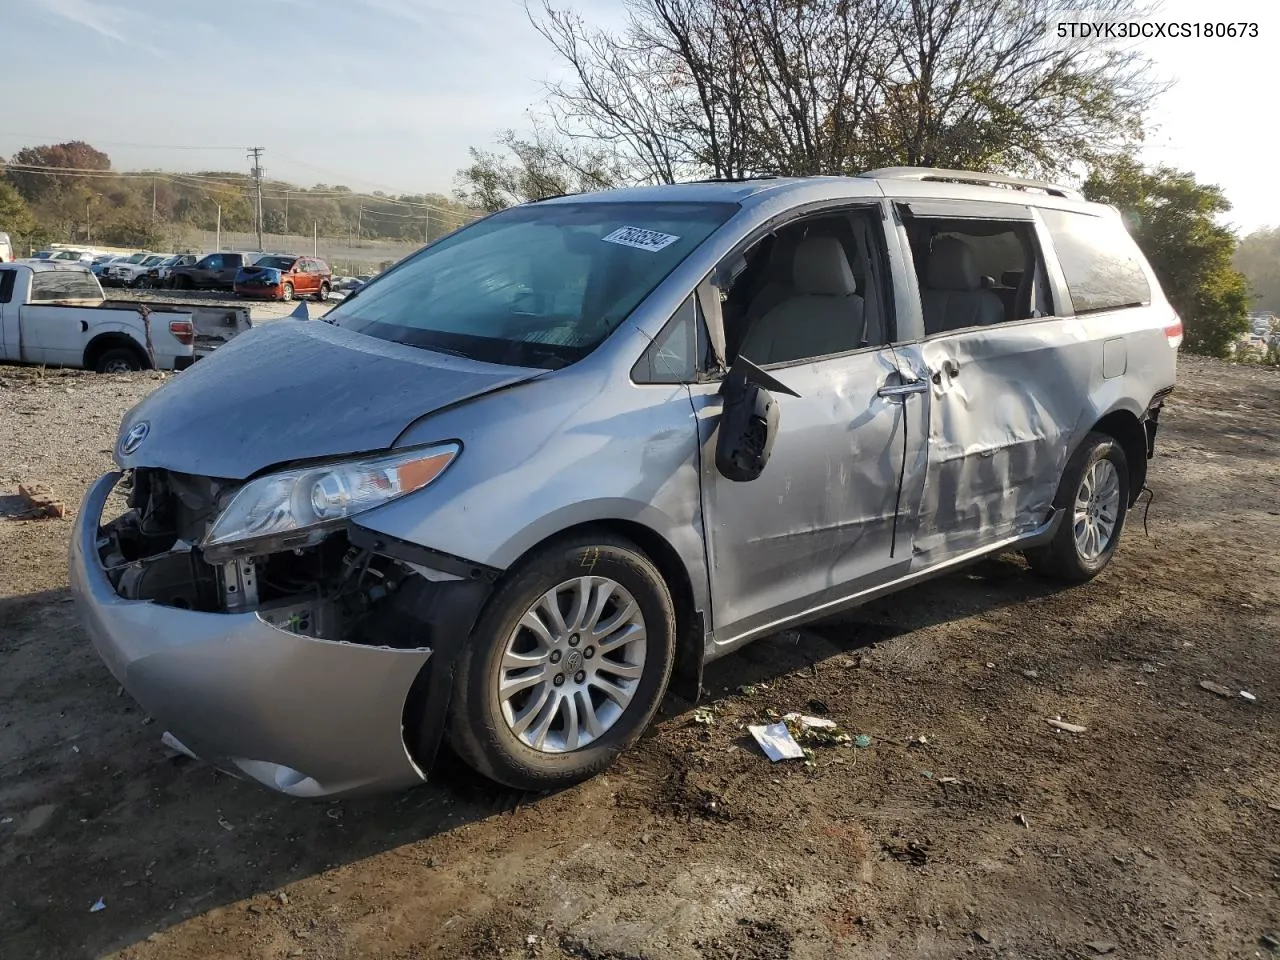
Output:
(102, 261)
(214, 271)
(127, 272)
(111, 274)
(6, 248)
(64, 255)
(283, 277)
(158, 276)
(54, 313)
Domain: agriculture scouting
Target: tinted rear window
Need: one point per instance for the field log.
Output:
(1099, 260)
(6, 285)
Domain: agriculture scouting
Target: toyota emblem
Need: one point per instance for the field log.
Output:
(133, 439)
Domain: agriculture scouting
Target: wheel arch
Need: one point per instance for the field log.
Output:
(113, 340)
(1123, 426)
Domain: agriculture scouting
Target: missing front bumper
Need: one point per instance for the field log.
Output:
(306, 716)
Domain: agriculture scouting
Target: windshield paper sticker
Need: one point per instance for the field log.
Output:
(649, 240)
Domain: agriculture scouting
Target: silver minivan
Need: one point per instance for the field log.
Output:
(551, 464)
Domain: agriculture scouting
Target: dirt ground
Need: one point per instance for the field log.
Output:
(968, 828)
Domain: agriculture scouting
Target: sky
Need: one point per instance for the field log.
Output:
(389, 94)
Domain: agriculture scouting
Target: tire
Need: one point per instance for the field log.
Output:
(1099, 464)
(286, 292)
(481, 728)
(185, 283)
(119, 360)
(142, 283)
(323, 293)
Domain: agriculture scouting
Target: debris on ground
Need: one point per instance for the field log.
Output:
(1248, 696)
(981, 936)
(704, 715)
(1217, 688)
(776, 741)
(1022, 821)
(862, 741)
(822, 731)
(41, 503)
(1101, 947)
(1271, 941)
(99, 904)
(1064, 725)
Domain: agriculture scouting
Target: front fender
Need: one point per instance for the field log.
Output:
(554, 453)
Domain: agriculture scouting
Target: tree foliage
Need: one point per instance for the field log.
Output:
(1172, 218)
(729, 88)
(533, 168)
(15, 219)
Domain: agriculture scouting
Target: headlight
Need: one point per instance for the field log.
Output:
(311, 499)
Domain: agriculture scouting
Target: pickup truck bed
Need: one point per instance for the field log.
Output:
(58, 316)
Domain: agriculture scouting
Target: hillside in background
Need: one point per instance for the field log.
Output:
(74, 195)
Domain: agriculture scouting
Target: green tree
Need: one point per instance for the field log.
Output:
(15, 219)
(1173, 220)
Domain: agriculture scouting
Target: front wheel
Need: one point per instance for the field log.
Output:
(567, 665)
(286, 293)
(1094, 495)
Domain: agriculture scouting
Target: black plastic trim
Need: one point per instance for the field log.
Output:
(398, 549)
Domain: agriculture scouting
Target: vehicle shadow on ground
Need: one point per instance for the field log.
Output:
(985, 586)
(160, 838)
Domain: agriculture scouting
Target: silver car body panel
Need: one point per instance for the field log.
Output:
(864, 493)
(299, 391)
(303, 716)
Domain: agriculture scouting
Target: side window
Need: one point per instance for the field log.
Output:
(976, 273)
(673, 355)
(810, 289)
(1099, 261)
(322, 266)
(7, 280)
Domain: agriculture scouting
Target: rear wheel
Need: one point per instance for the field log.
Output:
(286, 292)
(323, 293)
(119, 360)
(566, 666)
(141, 283)
(1094, 496)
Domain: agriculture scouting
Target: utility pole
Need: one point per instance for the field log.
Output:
(153, 201)
(256, 154)
(426, 228)
(88, 226)
(217, 236)
(286, 213)
(359, 217)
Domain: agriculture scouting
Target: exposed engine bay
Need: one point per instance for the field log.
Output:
(329, 589)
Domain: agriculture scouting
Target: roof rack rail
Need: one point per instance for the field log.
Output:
(969, 176)
(763, 176)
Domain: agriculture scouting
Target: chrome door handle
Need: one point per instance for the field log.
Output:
(903, 389)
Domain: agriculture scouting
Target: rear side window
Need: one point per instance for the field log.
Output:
(7, 279)
(1099, 260)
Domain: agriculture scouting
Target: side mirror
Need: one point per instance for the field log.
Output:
(748, 422)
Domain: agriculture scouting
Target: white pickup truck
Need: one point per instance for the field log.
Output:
(55, 314)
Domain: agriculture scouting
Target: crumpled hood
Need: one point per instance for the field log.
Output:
(295, 390)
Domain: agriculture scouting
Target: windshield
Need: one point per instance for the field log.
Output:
(537, 285)
(151, 261)
(42, 255)
(276, 263)
(136, 258)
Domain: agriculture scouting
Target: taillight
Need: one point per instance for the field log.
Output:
(182, 331)
(1173, 332)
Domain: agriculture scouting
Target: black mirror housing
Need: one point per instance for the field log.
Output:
(748, 422)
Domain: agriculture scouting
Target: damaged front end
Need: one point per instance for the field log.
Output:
(316, 661)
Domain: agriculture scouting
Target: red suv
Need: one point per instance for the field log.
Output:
(283, 277)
